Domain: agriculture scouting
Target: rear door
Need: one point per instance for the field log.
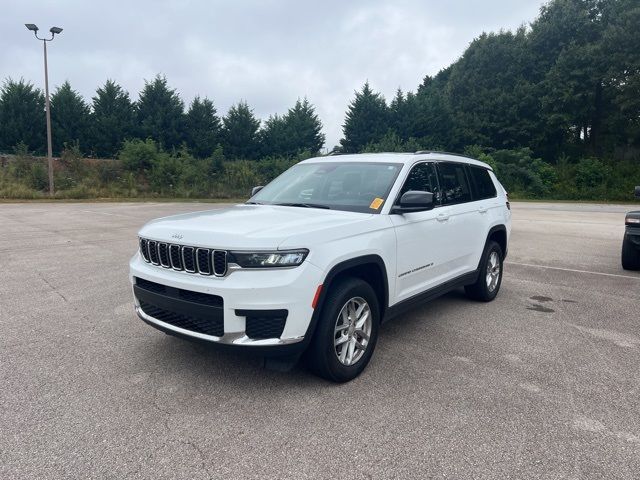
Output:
(485, 196)
(465, 225)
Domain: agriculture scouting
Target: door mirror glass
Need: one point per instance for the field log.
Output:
(414, 201)
(255, 190)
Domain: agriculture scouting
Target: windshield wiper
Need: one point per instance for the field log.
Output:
(305, 205)
(253, 203)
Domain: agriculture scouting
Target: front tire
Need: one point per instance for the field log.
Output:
(347, 331)
(630, 254)
(489, 276)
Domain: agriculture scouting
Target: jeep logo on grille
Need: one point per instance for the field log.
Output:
(177, 236)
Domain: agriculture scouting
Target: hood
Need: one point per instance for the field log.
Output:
(247, 226)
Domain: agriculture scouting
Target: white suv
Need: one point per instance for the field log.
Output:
(315, 261)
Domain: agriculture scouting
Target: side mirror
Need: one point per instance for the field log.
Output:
(414, 201)
(255, 190)
(637, 192)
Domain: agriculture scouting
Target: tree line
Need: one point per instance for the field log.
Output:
(567, 85)
(101, 127)
(553, 106)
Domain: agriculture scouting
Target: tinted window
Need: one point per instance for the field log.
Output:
(484, 187)
(351, 186)
(453, 182)
(423, 177)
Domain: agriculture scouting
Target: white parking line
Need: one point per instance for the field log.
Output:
(572, 270)
(106, 213)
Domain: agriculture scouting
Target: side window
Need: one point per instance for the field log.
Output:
(484, 187)
(423, 177)
(454, 184)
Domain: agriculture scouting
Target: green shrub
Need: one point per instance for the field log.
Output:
(73, 162)
(590, 178)
(522, 175)
(165, 173)
(39, 177)
(139, 155)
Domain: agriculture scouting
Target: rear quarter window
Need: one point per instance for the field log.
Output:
(453, 183)
(482, 184)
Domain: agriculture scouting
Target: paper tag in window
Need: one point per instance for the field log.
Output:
(377, 203)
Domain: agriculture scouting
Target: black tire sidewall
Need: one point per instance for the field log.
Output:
(630, 254)
(482, 283)
(324, 356)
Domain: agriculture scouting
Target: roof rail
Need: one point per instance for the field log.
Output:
(423, 152)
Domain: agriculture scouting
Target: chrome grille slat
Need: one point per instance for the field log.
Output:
(163, 255)
(153, 252)
(219, 262)
(203, 261)
(187, 258)
(144, 251)
(175, 256)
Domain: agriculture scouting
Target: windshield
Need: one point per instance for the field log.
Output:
(354, 187)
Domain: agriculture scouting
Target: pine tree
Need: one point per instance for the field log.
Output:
(304, 129)
(366, 120)
(274, 137)
(112, 119)
(160, 113)
(69, 118)
(22, 118)
(202, 128)
(240, 133)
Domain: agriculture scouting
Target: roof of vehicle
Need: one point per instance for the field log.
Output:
(405, 158)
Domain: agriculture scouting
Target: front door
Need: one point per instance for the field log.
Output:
(421, 237)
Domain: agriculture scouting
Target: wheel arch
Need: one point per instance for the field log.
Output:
(370, 268)
(498, 234)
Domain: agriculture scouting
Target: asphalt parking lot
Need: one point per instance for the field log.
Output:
(544, 382)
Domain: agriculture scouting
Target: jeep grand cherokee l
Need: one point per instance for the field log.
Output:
(316, 260)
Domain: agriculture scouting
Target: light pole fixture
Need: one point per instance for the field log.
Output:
(53, 31)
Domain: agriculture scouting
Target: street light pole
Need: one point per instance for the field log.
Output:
(54, 31)
(48, 114)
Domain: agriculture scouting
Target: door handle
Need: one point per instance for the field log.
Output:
(442, 217)
(482, 209)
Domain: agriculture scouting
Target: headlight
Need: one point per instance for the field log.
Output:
(283, 258)
(629, 220)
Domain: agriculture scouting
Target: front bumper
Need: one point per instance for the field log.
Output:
(632, 234)
(241, 291)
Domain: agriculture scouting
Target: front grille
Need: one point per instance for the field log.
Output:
(203, 314)
(144, 249)
(219, 262)
(163, 254)
(211, 326)
(204, 261)
(259, 327)
(188, 260)
(188, 295)
(153, 252)
(151, 286)
(175, 252)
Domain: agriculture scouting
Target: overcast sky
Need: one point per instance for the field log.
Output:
(266, 52)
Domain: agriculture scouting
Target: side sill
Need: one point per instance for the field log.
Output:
(431, 294)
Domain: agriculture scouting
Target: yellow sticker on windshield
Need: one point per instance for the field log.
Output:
(377, 203)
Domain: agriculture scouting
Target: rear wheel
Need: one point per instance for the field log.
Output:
(347, 331)
(630, 254)
(490, 275)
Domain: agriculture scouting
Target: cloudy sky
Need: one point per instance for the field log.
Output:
(266, 52)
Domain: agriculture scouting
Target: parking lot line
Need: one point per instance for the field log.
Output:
(572, 270)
